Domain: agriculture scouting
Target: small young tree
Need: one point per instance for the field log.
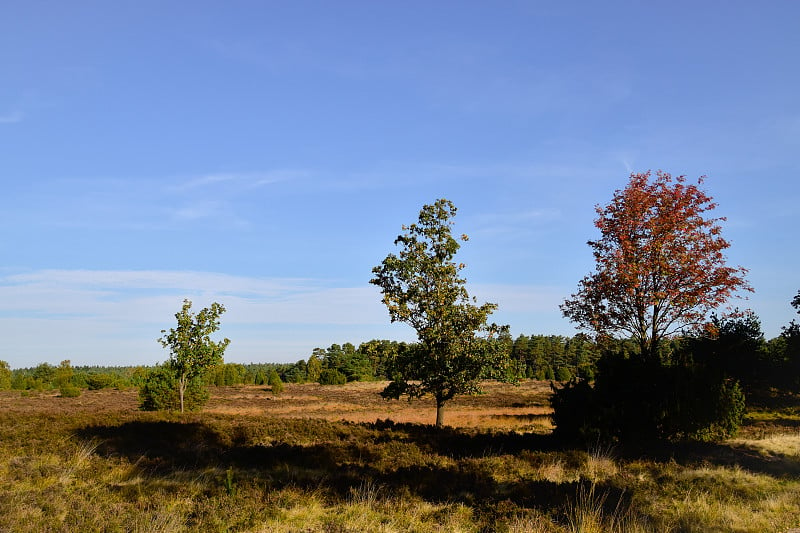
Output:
(659, 260)
(275, 383)
(422, 287)
(63, 374)
(191, 349)
(5, 376)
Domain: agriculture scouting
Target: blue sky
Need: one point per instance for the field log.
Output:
(265, 155)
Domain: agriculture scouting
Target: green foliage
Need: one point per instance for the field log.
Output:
(159, 392)
(43, 376)
(313, 368)
(100, 380)
(332, 377)
(192, 352)
(563, 374)
(68, 390)
(635, 400)
(63, 374)
(422, 287)
(275, 382)
(5, 376)
(296, 373)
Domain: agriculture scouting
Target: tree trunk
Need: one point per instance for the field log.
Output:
(181, 389)
(439, 413)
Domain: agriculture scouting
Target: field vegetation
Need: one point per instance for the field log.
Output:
(340, 458)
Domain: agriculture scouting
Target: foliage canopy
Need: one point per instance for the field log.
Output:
(422, 287)
(659, 263)
(192, 351)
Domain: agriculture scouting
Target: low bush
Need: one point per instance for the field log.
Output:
(636, 400)
(275, 382)
(159, 392)
(69, 390)
(97, 381)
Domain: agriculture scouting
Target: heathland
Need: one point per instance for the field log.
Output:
(340, 458)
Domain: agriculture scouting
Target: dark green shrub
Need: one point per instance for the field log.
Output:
(97, 381)
(43, 376)
(275, 382)
(563, 374)
(70, 391)
(634, 400)
(159, 392)
(573, 416)
(332, 377)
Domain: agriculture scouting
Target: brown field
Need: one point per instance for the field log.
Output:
(341, 459)
(523, 407)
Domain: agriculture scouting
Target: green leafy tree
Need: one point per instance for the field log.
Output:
(422, 287)
(63, 374)
(5, 376)
(192, 351)
(43, 376)
(313, 368)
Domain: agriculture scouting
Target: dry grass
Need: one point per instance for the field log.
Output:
(524, 408)
(342, 459)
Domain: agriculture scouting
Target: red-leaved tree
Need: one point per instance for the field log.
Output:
(660, 266)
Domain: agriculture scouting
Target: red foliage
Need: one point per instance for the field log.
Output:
(659, 263)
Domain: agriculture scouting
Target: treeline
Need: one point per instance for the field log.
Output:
(735, 346)
(46, 376)
(536, 357)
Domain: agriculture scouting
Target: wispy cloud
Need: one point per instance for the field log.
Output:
(94, 313)
(12, 117)
(513, 223)
(114, 317)
(235, 182)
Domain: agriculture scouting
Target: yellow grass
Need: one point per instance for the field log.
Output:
(343, 459)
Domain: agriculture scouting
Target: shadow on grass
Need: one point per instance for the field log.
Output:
(342, 466)
(448, 466)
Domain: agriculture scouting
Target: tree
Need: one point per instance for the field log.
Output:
(660, 266)
(313, 368)
(63, 374)
(5, 376)
(275, 382)
(43, 375)
(192, 351)
(422, 287)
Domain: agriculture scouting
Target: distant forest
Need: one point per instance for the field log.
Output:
(737, 347)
